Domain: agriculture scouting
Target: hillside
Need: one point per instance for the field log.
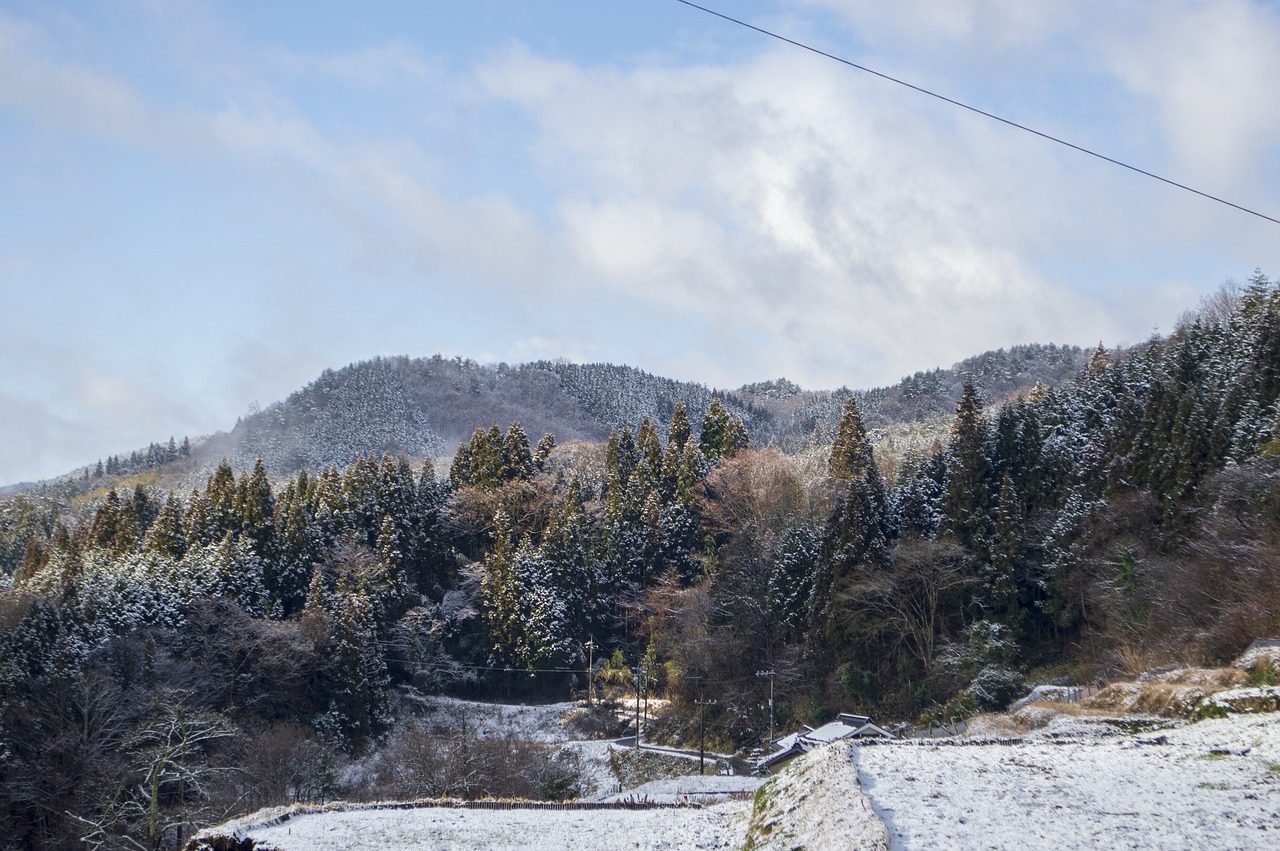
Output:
(425, 407)
(918, 572)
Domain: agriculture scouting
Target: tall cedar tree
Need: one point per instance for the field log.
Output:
(968, 498)
(855, 539)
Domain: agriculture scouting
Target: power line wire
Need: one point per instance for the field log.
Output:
(975, 109)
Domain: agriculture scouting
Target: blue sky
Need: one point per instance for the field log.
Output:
(206, 204)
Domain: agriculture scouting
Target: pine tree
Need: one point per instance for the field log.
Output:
(166, 536)
(546, 445)
(717, 432)
(391, 547)
(500, 590)
(791, 579)
(968, 497)
(105, 531)
(679, 431)
(621, 456)
(854, 543)
(297, 552)
(722, 435)
(1002, 574)
(917, 503)
(461, 474)
(255, 510)
(851, 453)
(648, 469)
(215, 515)
(517, 460)
(431, 563)
(359, 672)
(1098, 362)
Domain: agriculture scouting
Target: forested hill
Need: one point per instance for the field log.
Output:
(1121, 521)
(426, 407)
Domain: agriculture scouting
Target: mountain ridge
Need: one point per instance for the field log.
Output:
(424, 407)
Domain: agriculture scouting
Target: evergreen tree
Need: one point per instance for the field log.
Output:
(679, 431)
(917, 501)
(255, 510)
(1098, 362)
(722, 435)
(648, 468)
(461, 474)
(853, 544)
(1002, 573)
(968, 496)
(430, 566)
(359, 673)
(517, 460)
(791, 580)
(106, 529)
(851, 454)
(298, 549)
(166, 535)
(546, 445)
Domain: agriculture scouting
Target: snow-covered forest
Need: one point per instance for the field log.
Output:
(171, 654)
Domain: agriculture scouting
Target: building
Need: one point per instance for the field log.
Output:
(845, 726)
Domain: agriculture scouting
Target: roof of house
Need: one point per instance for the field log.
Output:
(845, 726)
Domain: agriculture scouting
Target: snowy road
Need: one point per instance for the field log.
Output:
(1215, 784)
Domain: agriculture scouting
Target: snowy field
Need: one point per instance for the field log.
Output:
(1215, 784)
(1075, 782)
(720, 826)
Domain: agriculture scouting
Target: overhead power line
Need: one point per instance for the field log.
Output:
(975, 109)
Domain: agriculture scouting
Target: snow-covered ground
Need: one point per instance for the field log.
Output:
(694, 789)
(1074, 781)
(815, 803)
(1214, 784)
(721, 826)
(535, 722)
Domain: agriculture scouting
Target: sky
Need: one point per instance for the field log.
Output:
(206, 204)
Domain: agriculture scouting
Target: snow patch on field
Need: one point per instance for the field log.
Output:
(717, 827)
(1213, 784)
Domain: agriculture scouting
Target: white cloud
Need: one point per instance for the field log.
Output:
(773, 215)
(1210, 70)
(1013, 24)
(787, 199)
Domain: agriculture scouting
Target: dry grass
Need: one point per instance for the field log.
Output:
(1134, 661)
(1169, 694)
(1027, 719)
(1215, 679)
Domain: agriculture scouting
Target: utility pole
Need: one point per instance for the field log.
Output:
(591, 672)
(636, 673)
(702, 726)
(770, 675)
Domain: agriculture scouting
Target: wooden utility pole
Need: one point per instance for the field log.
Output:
(635, 679)
(702, 726)
(770, 675)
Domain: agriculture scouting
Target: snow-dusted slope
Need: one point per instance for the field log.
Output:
(1214, 784)
(815, 803)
